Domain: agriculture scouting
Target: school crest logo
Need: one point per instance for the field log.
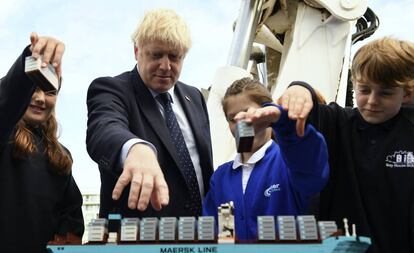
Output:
(273, 188)
(400, 159)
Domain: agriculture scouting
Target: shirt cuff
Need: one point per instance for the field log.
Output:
(128, 145)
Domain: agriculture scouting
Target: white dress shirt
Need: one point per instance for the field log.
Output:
(185, 129)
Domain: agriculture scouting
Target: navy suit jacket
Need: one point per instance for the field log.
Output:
(121, 108)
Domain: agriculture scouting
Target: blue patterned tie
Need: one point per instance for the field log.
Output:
(185, 164)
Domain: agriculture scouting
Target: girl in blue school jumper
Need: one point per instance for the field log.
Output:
(274, 178)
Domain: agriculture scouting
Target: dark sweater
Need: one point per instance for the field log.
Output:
(36, 203)
(372, 175)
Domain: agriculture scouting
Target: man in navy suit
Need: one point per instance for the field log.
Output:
(127, 133)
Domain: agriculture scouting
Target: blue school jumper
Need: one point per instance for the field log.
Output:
(280, 183)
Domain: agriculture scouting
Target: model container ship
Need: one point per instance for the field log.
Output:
(188, 234)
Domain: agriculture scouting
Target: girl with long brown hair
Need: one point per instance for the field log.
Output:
(39, 197)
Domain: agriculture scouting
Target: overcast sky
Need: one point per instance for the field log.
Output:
(97, 37)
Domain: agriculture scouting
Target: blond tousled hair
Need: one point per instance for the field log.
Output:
(163, 25)
(388, 62)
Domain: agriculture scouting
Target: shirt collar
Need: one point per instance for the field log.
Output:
(155, 94)
(257, 156)
(387, 125)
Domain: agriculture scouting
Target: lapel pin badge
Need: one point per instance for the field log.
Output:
(188, 99)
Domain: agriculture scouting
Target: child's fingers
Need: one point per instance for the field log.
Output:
(240, 116)
(292, 108)
(300, 127)
(307, 107)
(298, 107)
(33, 40)
(284, 101)
(38, 47)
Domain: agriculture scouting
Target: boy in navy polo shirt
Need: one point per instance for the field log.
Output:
(371, 147)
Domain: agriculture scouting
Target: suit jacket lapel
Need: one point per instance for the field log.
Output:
(152, 113)
(192, 111)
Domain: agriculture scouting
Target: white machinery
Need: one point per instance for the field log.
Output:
(280, 41)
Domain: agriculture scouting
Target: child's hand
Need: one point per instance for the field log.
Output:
(297, 100)
(51, 49)
(261, 118)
